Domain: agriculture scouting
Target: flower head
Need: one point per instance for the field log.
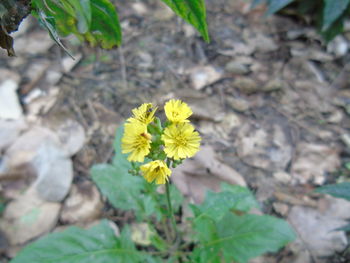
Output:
(143, 114)
(181, 141)
(156, 170)
(177, 111)
(136, 141)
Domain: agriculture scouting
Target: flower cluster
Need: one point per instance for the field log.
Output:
(144, 137)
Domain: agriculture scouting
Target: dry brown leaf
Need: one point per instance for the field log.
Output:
(205, 171)
(268, 149)
(313, 161)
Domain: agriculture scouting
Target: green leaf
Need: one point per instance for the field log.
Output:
(245, 199)
(276, 5)
(76, 16)
(83, 14)
(240, 238)
(105, 29)
(49, 24)
(344, 228)
(124, 191)
(75, 245)
(132, 193)
(335, 29)
(120, 160)
(128, 192)
(257, 2)
(341, 190)
(332, 11)
(200, 255)
(192, 12)
(238, 198)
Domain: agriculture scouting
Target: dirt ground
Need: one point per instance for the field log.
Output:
(270, 99)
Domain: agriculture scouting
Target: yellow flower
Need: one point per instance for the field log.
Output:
(181, 141)
(156, 170)
(136, 141)
(177, 111)
(143, 114)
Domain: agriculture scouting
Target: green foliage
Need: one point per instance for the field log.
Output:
(276, 5)
(76, 245)
(344, 228)
(341, 190)
(127, 192)
(94, 21)
(329, 15)
(192, 12)
(233, 197)
(223, 229)
(332, 11)
(227, 234)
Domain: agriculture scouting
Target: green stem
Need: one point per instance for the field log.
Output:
(172, 217)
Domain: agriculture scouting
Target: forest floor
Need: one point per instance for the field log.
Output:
(271, 101)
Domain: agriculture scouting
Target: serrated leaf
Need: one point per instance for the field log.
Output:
(75, 245)
(246, 199)
(332, 11)
(341, 190)
(240, 238)
(216, 205)
(276, 5)
(192, 12)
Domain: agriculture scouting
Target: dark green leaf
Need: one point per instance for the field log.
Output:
(240, 238)
(335, 29)
(192, 12)
(341, 190)
(75, 245)
(332, 11)
(276, 5)
(257, 2)
(344, 228)
(308, 6)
